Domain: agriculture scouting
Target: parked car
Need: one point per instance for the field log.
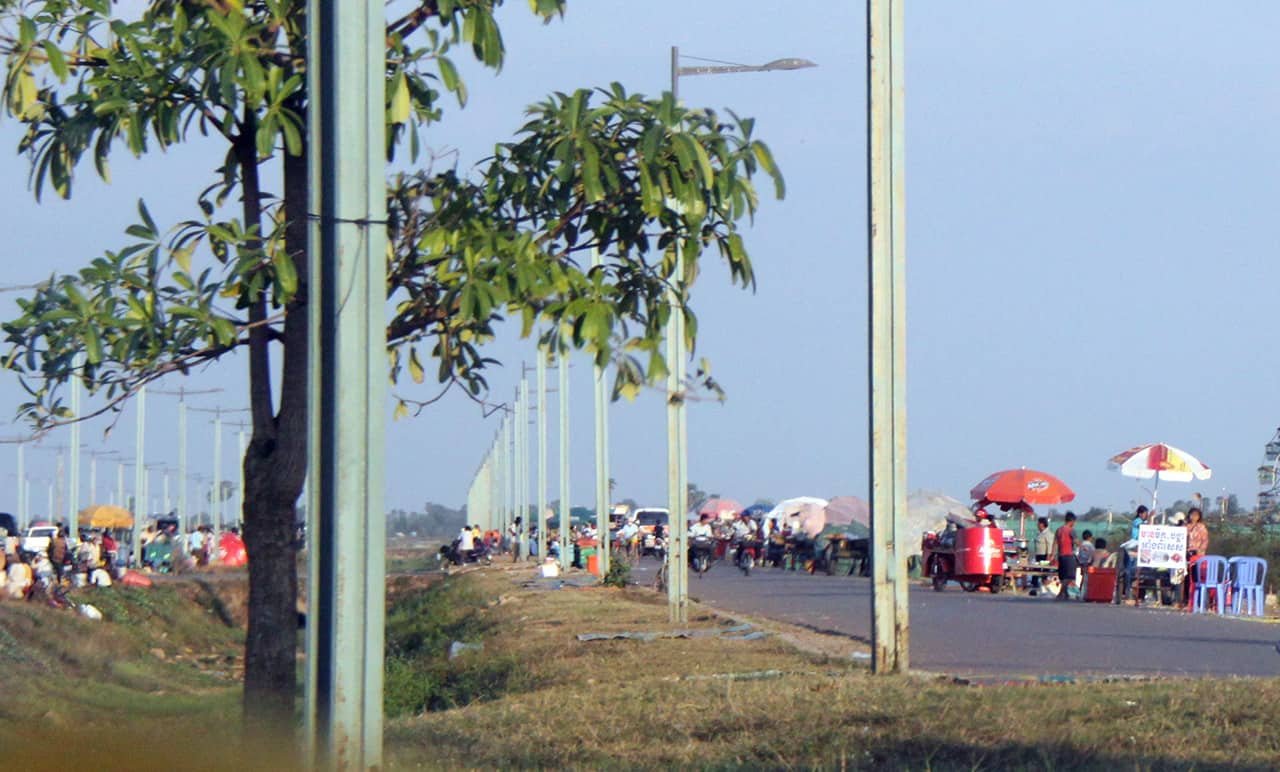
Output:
(649, 519)
(37, 538)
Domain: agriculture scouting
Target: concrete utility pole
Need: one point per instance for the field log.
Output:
(601, 391)
(24, 495)
(566, 523)
(347, 56)
(887, 261)
(676, 355)
(93, 472)
(73, 510)
(524, 468)
(541, 379)
(139, 472)
(184, 516)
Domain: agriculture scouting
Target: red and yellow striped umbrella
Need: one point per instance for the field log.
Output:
(1164, 462)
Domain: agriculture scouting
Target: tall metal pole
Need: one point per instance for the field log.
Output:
(566, 524)
(59, 513)
(601, 397)
(887, 330)
(216, 503)
(139, 471)
(120, 500)
(541, 495)
(677, 464)
(517, 472)
(509, 469)
(347, 46)
(24, 517)
(73, 515)
(524, 468)
(184, 513)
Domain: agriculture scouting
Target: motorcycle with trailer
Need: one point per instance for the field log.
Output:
(972, 555)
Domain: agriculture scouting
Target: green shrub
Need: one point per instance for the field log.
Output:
(619, 573)
(419, 675)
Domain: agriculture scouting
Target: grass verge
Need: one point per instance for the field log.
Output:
(715, 703)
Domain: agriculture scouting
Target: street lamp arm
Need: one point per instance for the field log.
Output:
(776, 64)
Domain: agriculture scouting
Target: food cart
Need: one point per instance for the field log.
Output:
(972, 555)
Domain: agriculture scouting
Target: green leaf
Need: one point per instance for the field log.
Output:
(415, 367)
(401, 106)
(762, 154)
(286, 273)
(57, 62)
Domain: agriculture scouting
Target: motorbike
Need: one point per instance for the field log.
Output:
(745, 555)
(450, 554)
(700, 551)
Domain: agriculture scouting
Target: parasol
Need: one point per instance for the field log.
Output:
(1161, 461)
(105, 516)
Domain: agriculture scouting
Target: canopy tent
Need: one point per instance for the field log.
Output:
(844, 510)
(720, 508)
(810, 510)
(106, 516)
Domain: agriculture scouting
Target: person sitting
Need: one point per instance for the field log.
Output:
(1101, 557)
(1084, 553)
(19, 578)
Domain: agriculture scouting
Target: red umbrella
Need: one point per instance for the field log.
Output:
(1022, 487)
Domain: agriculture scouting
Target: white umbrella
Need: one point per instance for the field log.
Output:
(810, 509)
(1161, 461)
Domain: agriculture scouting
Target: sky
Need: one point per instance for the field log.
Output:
(1091, 251)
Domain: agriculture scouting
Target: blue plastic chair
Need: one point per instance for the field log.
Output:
(1211, 576)
(1247, 577)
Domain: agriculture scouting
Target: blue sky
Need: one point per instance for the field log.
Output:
(1091, 248)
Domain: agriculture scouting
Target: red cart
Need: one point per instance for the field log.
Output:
(972, 556)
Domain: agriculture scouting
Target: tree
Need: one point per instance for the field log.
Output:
(640, 180)
(694, 496)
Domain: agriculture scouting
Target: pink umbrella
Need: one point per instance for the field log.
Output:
(720, 508)
(843, 510)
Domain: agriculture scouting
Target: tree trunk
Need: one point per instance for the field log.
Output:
(271, 644)
(275, 467)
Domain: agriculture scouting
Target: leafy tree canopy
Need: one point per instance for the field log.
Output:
(637, 179)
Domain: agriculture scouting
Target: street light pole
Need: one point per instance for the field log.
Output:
(886, 225)
(541, 379)
(566, 553)
(139, 472)
(347, 574)
(73, 515)
(677, 421)
(602, 453)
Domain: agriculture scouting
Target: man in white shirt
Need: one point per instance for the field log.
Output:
(627, 536)
(466, 543)
(701, 528)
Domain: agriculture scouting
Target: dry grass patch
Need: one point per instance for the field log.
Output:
(712, 703)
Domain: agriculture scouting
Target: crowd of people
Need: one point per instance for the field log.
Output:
(96, 558)
(1073, 554)
(43, 574)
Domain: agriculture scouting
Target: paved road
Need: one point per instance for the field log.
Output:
(1009, 635)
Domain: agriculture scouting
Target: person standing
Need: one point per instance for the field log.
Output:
(58, 553)
(1197, 547)
(1043, 549)
(1065, 540)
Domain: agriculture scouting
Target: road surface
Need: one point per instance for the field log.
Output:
(1006, 635)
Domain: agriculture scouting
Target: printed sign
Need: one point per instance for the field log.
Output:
(1162, 546)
